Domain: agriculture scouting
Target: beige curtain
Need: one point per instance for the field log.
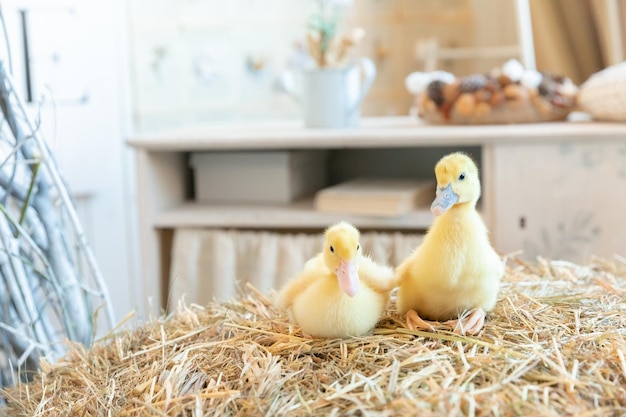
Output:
(210, 264)
(573, 37)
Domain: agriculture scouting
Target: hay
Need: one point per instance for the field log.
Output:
(554, 345)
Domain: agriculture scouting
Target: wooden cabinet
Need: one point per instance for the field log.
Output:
(553, 189)
(560, 199)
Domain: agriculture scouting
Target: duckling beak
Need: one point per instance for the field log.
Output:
(445, 198)
(348, 277)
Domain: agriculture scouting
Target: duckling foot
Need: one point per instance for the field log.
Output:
(415, 322)
(470, 322)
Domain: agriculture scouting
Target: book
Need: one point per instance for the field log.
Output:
(384, 197)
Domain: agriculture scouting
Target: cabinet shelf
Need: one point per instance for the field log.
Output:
(299, 215)
(378, 132)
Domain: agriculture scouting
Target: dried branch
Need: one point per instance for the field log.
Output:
(45, 296)
(53, 170)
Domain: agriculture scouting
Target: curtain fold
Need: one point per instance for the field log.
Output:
(211, 264)
(572, 37)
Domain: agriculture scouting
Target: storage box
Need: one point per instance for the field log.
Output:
(258, 176)
(384, 197)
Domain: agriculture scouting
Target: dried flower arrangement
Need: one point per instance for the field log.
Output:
(323, 43)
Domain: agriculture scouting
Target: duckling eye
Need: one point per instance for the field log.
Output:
(462, 177)
(358, 247)
(332, 249)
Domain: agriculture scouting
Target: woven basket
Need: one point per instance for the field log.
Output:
(493, 99)
(531, 110)
(603, 95)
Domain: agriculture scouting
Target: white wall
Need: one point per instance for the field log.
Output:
(191, 59)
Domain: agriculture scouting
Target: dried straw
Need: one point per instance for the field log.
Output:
(553, 346)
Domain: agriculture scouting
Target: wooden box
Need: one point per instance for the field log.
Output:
(384, 197)
(258, 176)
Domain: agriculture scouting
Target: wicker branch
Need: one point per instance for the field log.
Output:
(45, 297)
(51, 166)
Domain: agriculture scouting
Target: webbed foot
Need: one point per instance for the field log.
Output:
(415, 322)
(471, 322)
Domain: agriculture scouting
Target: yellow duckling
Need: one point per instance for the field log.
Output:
(340, 292)
(454, 273)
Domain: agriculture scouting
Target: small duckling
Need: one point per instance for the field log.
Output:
(340, 292)
(455, 272)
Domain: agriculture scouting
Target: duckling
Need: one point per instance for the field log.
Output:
(340, 292)
(455, 272)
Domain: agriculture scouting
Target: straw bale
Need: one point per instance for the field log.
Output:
(553, 346)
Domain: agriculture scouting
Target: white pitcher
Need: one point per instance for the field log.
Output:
(331, 97)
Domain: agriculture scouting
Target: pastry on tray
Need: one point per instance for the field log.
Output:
(509, 94)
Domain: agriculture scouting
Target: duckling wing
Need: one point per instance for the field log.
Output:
(424, 281)
(313, 270)
(403, 271)
(378, 277)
